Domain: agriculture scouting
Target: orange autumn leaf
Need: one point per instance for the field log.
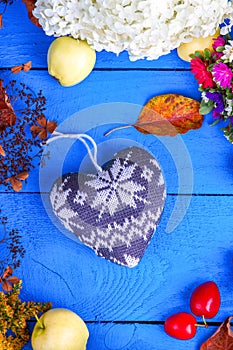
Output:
(6, 286)
(7, 280)
(16, 69)
(42, 121)
(51, 126)
(222, 339)
(43, 128)
(169, 115)
(13, 279)
(2, 152)
(22, 176)
(27, 66)
(16, 184)
(16, 180)
(7, 272)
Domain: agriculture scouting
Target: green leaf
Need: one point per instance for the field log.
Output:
(205, 110)
(207, 54)
(215, 122)
(192, 55)
(198, 54)
(220, 48)
(206, 107)
(210, 67)
(229, 96)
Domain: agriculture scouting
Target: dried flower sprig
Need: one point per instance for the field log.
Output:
(214, 74)
(18, 146)
(10, 256)
(14, 314)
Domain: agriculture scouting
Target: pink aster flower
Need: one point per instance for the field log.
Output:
(223, 75)
(219, 41)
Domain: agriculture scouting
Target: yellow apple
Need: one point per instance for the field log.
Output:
(70, 60)
(59, 329)
(197, 44)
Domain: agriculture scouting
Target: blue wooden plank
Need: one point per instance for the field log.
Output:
(137, 337)
(27, 42)
(102, 100)
(70, 275)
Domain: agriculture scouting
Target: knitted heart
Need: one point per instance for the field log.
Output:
(117, 210)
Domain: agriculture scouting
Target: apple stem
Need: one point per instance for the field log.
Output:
(118, 128)
(40, 323)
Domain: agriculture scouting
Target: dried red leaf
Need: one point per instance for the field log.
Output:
(6, 286)
(16, 180)
(51, 126)
(27, 66)
(7, 115)
(13, 279)
(1, 23)
(169, 115)
(42, 122)
(43, 134)
(22, 176)
(2, 152)
(30, 4)
(43, 128)
(16, 69)
(16, 184)
(222, 339)
(35, 129)
(7, 272)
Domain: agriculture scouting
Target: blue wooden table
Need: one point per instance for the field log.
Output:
(125, 308)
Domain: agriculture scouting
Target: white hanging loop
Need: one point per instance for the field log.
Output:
(82, 137)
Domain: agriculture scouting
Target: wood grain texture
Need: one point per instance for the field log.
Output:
(70, 275)
(22, 41)
(91, 106)
(135, 336)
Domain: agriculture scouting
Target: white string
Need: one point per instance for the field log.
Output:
(81, 137)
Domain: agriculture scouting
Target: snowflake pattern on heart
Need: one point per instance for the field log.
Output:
(116, 211)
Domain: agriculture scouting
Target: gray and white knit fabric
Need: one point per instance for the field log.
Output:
(117, 210)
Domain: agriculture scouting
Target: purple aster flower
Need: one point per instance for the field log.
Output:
(216, 115)
(218, 100)
(223, 75)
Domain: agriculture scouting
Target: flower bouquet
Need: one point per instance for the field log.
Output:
(214, 73)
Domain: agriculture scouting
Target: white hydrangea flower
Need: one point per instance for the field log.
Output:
(145, 28)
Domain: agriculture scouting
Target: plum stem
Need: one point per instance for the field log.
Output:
(202, 325)
(204, 320)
